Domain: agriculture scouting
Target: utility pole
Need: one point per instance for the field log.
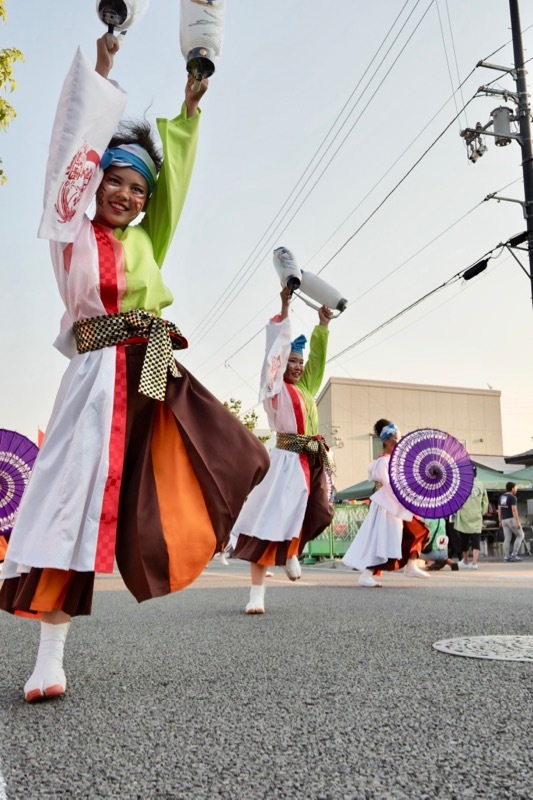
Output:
(524, 122)
(501, 124)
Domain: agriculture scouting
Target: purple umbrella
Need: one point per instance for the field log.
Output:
(17, 455)
(431, 473)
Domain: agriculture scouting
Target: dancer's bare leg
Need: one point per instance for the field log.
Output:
(55, 617)
(48, 678)
(257, 574)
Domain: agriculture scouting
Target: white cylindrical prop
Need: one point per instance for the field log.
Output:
(201, 35)
(120, 15)
(322, 292)
(288, 271)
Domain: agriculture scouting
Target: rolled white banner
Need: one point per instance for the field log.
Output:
(201, 35)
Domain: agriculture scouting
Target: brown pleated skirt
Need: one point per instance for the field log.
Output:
(188, 466)
(318, 515)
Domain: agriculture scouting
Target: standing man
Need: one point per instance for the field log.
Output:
(469, 522)
(510, 521)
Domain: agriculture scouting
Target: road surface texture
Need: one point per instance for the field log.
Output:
(334, 694)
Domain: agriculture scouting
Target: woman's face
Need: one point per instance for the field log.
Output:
(121, 197)
(390, 443)
(294, 368)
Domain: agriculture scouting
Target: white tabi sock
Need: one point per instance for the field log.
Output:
(257, 600)
(48, 678)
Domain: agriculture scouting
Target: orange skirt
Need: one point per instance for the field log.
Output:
(318, 515)
(187, 467)
(414, 538)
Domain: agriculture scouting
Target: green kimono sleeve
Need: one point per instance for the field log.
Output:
(179, 138)
(313, 373)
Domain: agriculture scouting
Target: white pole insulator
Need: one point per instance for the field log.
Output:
(201, 35)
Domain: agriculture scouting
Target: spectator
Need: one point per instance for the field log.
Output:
(469, 522)
(435, 554)
(510, 522)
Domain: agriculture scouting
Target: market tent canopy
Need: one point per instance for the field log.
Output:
(522, 477)
(360, 491)
(492, 480)
(495, 481)
(521, 458)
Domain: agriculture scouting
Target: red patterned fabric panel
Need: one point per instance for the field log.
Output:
(300, 424)
(109, 276)
(108, 270)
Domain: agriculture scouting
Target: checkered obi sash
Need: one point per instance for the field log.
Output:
(162, 338)
(308, 445)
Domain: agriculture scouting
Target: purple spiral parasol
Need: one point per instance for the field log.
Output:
(431, 473)
(17, 455)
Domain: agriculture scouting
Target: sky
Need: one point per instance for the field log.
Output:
(316, 112)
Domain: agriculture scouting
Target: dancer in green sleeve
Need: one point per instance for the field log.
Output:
(291, 506)
(140, 463)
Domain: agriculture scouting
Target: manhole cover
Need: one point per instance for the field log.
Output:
(495, 648)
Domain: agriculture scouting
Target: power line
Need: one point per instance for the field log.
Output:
(455, 56)
(241, 269)
(375, 210)
(447, 60)
(375, 285)
(416, 303)
(454, 279)
(374, 187)
(392, 191)
(229, 300)
(505, 45)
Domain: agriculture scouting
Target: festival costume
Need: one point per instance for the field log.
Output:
(156, 483)
(390, 534)
(291, 505)
(437, 546)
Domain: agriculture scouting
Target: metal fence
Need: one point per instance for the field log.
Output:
(336, 539)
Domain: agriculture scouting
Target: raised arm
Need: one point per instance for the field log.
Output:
(194, 94)
(313, 373)
(277, 350)
(179, 139)
(88, 112)
(105, 55)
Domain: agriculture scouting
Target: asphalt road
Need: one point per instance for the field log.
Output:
(334, 694)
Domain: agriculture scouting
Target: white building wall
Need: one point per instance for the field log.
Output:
(350, 407)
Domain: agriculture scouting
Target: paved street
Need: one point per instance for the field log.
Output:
(334, 694)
